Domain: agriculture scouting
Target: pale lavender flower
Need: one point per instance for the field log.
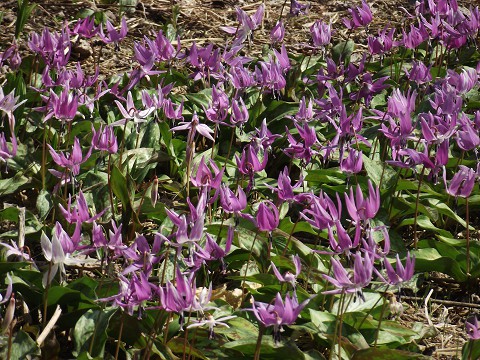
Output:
(211, 322)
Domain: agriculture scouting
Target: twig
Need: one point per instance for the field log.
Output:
(443, 302)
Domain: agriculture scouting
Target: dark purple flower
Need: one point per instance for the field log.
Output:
(85, 27)
(112, 34)
(361, 16)
(462, 182)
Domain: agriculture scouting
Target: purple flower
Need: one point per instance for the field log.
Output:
(462, 182)
(345, 283)
(58, 254)
(63, 107)
(303, 149)
(80, 212)
(360, 208)
(401, 274)
(278, 32)
(8, 293)
(263, 137)
(288, 277)
(267, 216)
(278, 314)
(343, 243)
(249, 163)
(239, 113)
(230, 202)
(297, 8)
(193, 127)
(467, 136)
(112, 34)
(5, 152)
(415, 37)
(473, 328)
(104, 139)
(284, 187)
(353, 163)
(321, 33)
(71, 161)
(132, 113)
(204, 177)
(383, 43)
(419, 73)
(86, 27)
(178, 297)
(323, 211)
(361, 16)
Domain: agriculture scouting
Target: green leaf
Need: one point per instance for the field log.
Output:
(119, 186)
(431, 260)
(342, 51)
(44, 203)
(90, 333)
(24, 11)
(471, 350)
(425, 223)
(23, 346)
(376, 169)
(11, 185)
(382, 354)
